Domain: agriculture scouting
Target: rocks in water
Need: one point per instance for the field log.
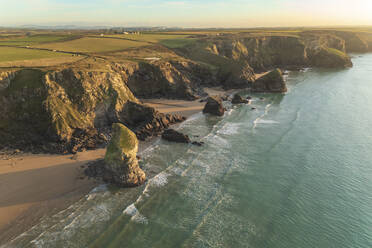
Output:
(238, 99)
(214, 106)
(272, 82)
(197, 143)
(121, 158)
(145, 121)
(175, 136)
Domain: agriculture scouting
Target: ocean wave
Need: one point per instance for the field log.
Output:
(229, 129)
(159, 180)
(131, 210)
(218, 141)
(261, 121)
(258, 119)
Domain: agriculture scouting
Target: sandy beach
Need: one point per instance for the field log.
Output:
(34, 186)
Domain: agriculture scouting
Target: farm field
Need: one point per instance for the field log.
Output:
(92, 45)
(168, 40)
(32, 40)
(22, 57)
(14, 54)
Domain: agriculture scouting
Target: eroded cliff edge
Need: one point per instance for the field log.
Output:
(72, 107)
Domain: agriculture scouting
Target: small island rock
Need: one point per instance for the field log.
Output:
(121, 158)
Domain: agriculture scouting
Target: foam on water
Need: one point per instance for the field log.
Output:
(266, 110)
(131, 210)
(229, 128)
(261, 121)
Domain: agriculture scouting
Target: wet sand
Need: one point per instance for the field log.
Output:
(34, 186)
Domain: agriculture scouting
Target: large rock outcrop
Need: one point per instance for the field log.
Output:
(51, 111)
(121, 158)
(261, 53)
(170, 79)
(214, 106)
(330, 58)
(175, 136)
(145, 121)
(272, 82)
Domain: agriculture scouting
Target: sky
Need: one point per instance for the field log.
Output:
(187, 13)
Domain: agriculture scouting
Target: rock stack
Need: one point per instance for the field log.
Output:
(214, 106)
(121, 158)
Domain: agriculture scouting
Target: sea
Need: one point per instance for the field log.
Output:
(288, 170)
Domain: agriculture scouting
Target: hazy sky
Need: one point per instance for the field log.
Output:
(187, 13)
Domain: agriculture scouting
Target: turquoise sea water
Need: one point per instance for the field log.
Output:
(295, 172)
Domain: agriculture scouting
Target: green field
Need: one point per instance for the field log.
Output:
(168, 40)
(31, 40)
(16, 54)
(93, 45)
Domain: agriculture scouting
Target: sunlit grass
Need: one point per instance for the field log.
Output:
(31, 40)
(16, 54)
(93, 45)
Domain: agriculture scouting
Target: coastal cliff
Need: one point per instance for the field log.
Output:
(72, 107)
(65, 110)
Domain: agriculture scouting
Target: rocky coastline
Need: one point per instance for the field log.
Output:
(71, 108)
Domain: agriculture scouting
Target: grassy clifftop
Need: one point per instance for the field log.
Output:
(50, 105)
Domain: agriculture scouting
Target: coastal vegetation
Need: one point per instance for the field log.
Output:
(92, 45)
(18, 54)
(77, 84)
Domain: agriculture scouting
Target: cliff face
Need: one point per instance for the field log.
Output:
(354, 42)
(171, 79)
(235, 58)
(329, 58)
(263, 52)
(271, 82)
(69, 108)
(51, 106)
(82, 99)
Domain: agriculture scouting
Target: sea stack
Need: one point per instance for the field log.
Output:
(121, 158)
(272, 82)
(214, 106)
